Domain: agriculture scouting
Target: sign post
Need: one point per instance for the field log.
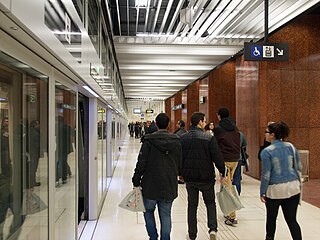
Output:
(259, 51)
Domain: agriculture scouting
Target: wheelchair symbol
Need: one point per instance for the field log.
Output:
(256, 52)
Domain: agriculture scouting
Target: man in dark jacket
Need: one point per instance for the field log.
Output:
(200, 152)
(181, 128)
(156, 172)
(228, 137)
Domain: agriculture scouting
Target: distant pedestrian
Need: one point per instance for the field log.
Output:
(181, 128)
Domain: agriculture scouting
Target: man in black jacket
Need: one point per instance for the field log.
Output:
(156, 172)
(200, 152)
(228, 137)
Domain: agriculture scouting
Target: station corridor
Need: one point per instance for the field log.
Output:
(115, 223)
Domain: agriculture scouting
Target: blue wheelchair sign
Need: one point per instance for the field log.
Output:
(256, 51)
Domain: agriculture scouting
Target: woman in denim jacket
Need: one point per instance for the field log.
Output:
(280, 182)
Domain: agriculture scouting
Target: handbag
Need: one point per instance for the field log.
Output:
(299, 174)
(133, 201)
(228, 201)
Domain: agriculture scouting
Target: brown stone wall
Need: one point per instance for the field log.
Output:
(177, 113)
(247, 111)
(283, 91)
(203, 92)
(192, 101)
(222, 90)
(184, 98)
(292, 89)
(167, 107)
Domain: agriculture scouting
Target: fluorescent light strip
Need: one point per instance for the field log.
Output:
(90, 91)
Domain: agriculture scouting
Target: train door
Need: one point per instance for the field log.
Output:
(83, 157)
(101, 152)
(65, 159)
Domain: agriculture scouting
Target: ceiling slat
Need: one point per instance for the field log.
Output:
(147, 17)
(175, 15)
(118, 13)
(156, 16)
(165, 17)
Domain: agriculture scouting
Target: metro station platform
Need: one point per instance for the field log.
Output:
(115, 223)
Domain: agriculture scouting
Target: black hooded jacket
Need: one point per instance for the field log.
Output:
(228, 137)
(158, 166)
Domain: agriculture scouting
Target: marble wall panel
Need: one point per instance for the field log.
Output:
(247, 109)
(172, 118)
(203, 92)
(301, 79)
(184, 98)
(177, 113)
(211, 93)
(287, 86)
(314, 153)
(314, 96)
(167, 107)
(192, 100)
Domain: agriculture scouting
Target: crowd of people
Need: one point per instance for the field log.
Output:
(191, 156)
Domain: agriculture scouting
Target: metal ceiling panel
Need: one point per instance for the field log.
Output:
(159, 54)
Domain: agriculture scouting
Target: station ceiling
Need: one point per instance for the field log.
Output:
(164, 45)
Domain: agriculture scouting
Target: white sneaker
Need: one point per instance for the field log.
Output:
(213, 235)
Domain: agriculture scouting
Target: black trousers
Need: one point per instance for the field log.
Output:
(207, 190)
(289, 208)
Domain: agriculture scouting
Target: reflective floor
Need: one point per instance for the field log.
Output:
(118, 224)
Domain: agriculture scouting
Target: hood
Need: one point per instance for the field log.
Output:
(228, 124)
(163, 140)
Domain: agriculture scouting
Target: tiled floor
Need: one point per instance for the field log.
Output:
(118, 224)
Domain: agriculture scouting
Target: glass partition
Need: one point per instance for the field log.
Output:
(102, 149)
(65, 161)
(24, 146)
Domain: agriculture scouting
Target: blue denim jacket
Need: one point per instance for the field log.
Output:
(277, 165)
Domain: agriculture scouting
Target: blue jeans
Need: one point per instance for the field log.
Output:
(164, 210)
(237, 177)
(207, 189)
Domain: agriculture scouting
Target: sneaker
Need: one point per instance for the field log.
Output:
(234, 221)
(213, 235)
(230, 222)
